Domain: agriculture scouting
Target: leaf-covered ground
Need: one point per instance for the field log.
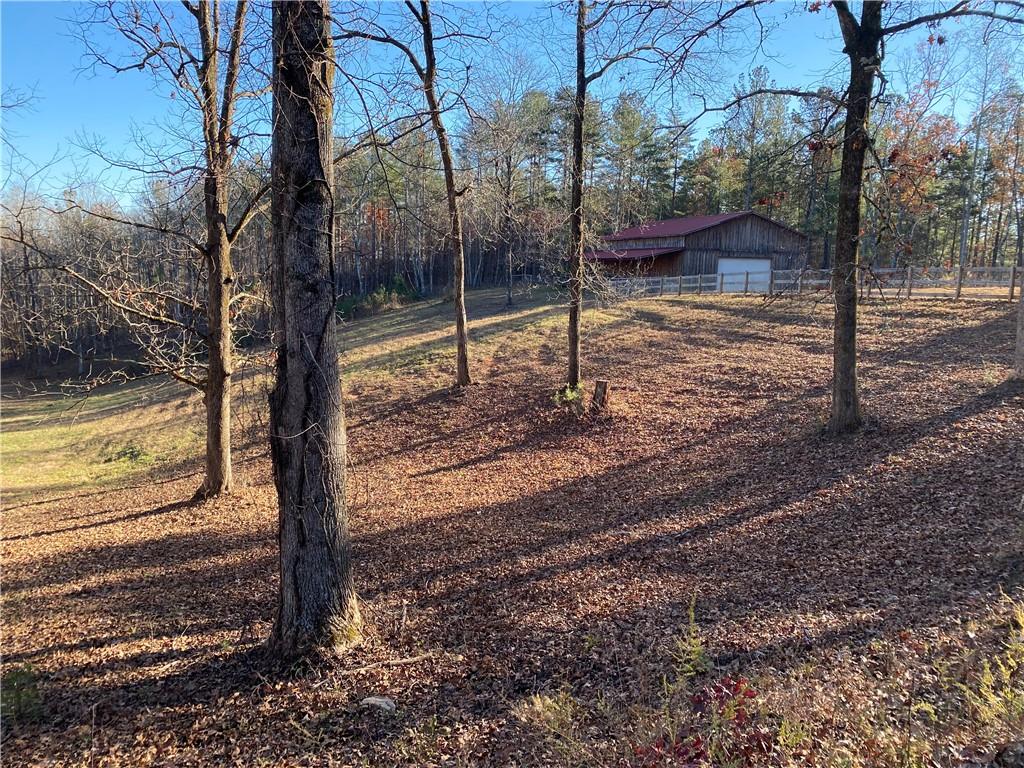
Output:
(546, 590)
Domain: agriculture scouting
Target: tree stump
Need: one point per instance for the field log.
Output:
(600, 400)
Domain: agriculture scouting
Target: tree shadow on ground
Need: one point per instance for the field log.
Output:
(130, 517)
(105, 401)
(792, 542)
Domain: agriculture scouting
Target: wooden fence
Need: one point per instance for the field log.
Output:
(889, 283)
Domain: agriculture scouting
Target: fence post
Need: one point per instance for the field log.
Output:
(700, 284)
(910, 280)
(661, 291)
(959, 281)
(800, 282)
(680, 292)
(746, 283)
(721, 283)
(1013, 281)
(771, 282)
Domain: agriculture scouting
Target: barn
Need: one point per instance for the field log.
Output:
(740, 243)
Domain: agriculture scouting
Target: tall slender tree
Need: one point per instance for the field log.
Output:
(864, 44)
(205, 58)
(424, 65)
(663, 35)
(576, 198)
(317, 605)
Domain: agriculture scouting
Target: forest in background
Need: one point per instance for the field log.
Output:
(942, 183)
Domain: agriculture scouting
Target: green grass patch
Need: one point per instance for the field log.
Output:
(52, 445)
(20, 699)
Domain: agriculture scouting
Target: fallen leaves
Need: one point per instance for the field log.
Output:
(505, 547)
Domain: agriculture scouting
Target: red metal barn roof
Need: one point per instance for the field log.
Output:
(685, 225)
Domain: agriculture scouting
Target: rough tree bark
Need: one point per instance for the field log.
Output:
(218, 118)
(576, 199)
(862, 47)
(317, 606)
(217, 395)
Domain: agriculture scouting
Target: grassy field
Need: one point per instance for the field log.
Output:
(51, 445)
(121, 434)
(698, 577)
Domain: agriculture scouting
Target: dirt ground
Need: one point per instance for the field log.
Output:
(528, 576)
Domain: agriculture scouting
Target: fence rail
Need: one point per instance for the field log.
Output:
(887, 283)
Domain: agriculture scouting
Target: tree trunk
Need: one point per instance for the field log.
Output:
(826, 244)
(576, 200)
(317, 605)
(462, 377)
(508, 230)
(997, 237)
(217, 397)
(862, 47)
(748, 188)
(217, 122)
(1019, 258)
(969, 192)
(1017, 204)
(1018, 357)
(812, 189)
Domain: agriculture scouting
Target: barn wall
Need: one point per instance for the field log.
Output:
(702, 262)
(666, 265)
(749, 237)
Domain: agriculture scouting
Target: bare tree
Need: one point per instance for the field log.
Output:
(207, 71)
(985, 82)
(665, 35)
(576, 196)
(425, 67)
(317, 605)
(864, 40)
(502, 125)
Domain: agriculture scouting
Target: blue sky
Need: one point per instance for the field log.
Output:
(40, 55)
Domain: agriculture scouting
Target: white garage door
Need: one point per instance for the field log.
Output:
(736, 271)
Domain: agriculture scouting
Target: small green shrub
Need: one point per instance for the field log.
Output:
(995, 692)
(20, 700)
(560, 717)
(390, 296)
(130, 453)
(689, 656)
(590, 642)
(793, 734)
(571, 397)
